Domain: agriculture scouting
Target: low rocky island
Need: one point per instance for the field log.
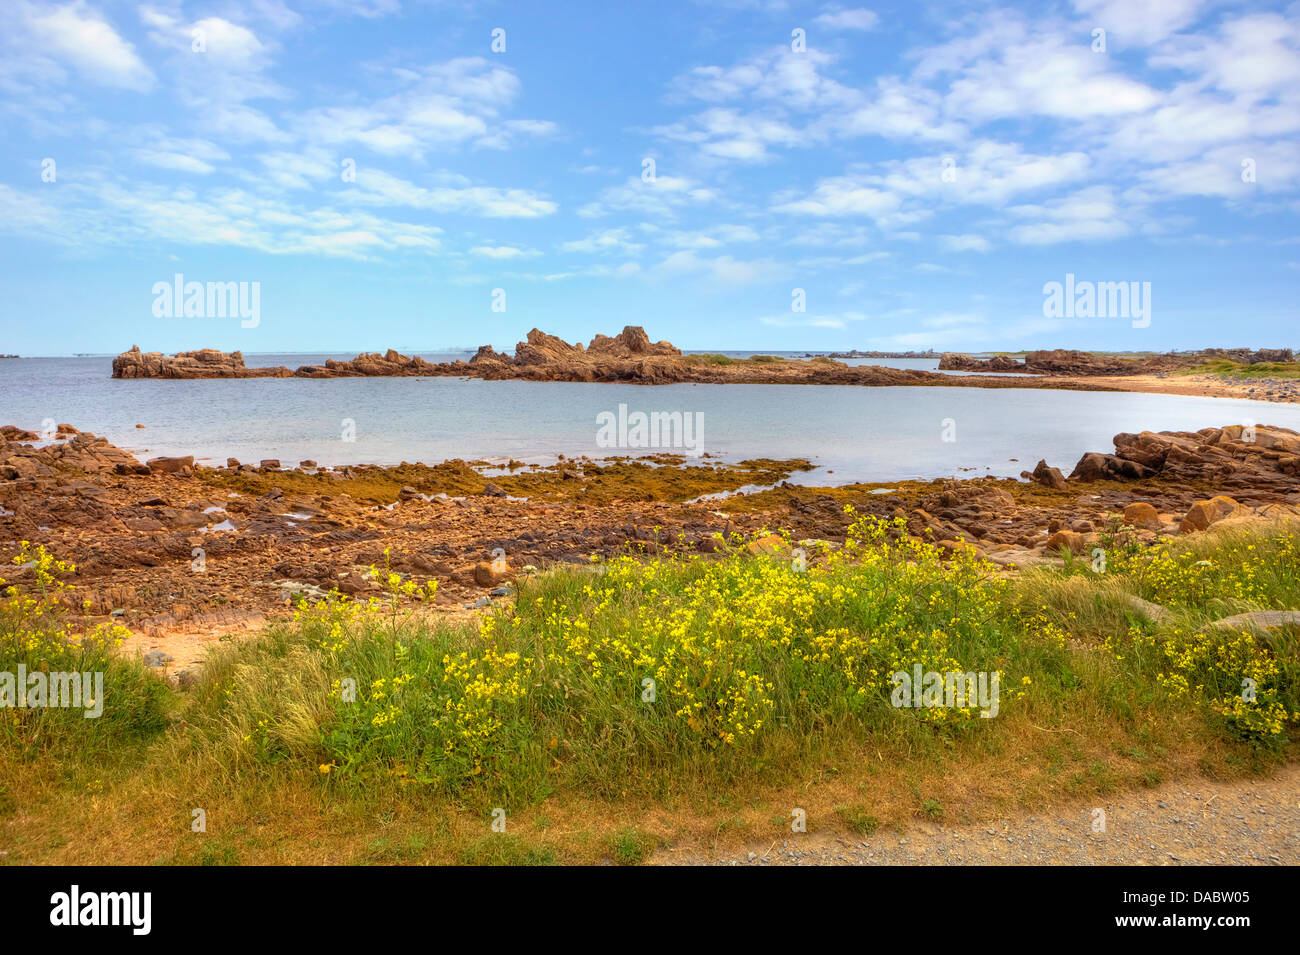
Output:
(632, 358)
(629, 357)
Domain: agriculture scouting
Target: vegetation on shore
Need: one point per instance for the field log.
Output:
(1233, 369)
(374, 732)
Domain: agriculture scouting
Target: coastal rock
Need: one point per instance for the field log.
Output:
(489, 574)
(955, 361)
(1073, 541)
(1204, 513)
(171, 465)
(769, 545)
(629, 357)
(1142, 514)
(82, 452)
(1049, 477)
(203, 363)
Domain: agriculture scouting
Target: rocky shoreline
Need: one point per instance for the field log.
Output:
(182, 554)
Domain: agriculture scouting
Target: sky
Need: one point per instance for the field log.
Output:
(730, 175)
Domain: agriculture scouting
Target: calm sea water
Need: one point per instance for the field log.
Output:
(862, 434)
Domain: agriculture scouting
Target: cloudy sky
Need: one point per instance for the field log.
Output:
(919, 171)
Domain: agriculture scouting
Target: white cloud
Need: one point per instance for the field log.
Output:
(965, 243)
(1087, 215)
(723, 269)
(374, 187)
(1146, 22)
(502, 252)
(859, 18)
(79, 36)
(608, 240)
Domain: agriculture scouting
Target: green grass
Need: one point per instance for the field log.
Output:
(1233, 369)
(859, 820)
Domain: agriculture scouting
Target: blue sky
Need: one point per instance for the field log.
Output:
(783, 160)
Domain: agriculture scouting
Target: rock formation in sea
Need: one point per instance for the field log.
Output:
(628, 357)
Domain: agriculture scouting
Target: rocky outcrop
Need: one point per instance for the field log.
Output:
(629, 357)
(204, 363)
(1047, 476)
(631, 342)
(83, 452)
(391, 364)
(955, 361)
(1263, 457)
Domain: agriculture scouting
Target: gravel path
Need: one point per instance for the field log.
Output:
(1188, 823)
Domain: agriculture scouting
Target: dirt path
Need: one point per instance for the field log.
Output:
(1188, 823)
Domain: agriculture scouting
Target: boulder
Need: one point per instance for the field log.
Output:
(1049, 477)
(1204, 513)
(171, 465)
(1073, 541)
(489, 574)
(1142, 514)
(769, 545)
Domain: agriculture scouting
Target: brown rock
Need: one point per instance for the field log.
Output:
(486, 576)
(1142, 514)
(769, 545)
(1050, 477)
(1073, 541)
(1204, 513)
(170, 465)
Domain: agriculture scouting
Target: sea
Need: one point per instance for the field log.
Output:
(849, 433)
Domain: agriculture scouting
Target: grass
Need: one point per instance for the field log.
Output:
(1233, 369)
(858, 820)
(666, 702)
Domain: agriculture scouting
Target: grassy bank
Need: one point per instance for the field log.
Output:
(1233, 369)
(645, 703)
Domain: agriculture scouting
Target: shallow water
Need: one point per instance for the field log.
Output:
(861, 434)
